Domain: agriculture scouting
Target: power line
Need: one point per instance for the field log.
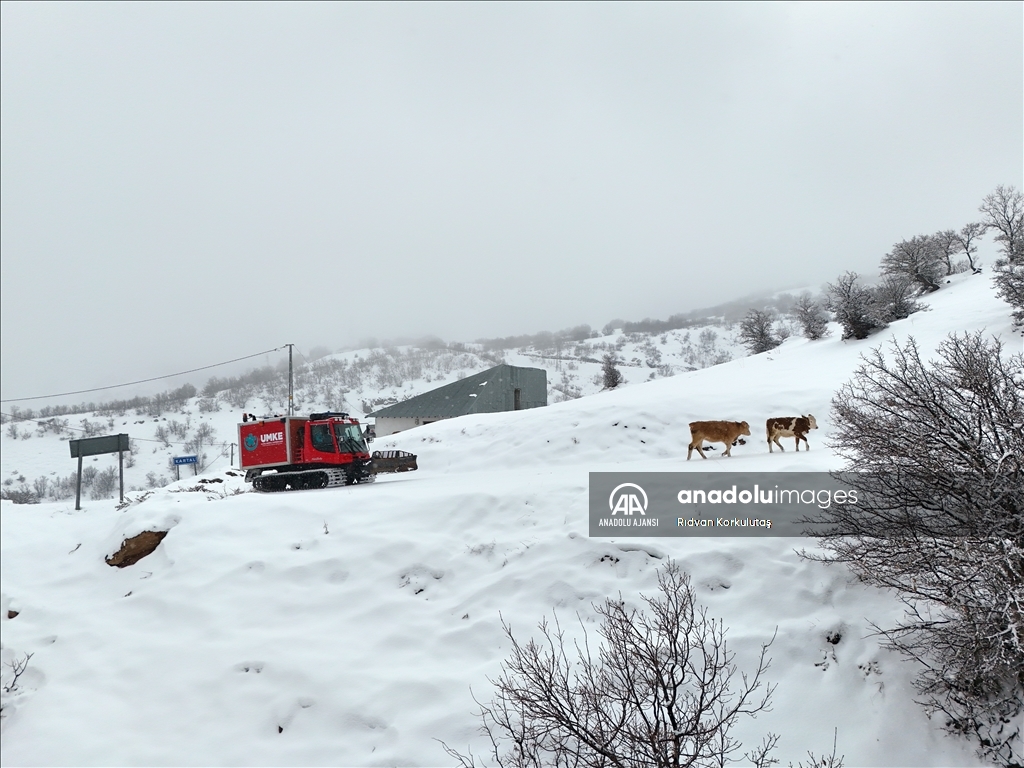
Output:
(140, 381)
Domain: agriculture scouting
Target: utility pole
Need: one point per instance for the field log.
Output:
(291, 385)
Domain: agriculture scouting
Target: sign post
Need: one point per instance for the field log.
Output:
(92, 446)
(78, 486)
(180, 460)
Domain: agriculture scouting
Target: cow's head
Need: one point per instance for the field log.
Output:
(810, 420)
(745, 428)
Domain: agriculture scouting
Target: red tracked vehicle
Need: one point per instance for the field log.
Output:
(292, 453)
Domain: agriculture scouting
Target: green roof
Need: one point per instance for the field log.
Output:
(489, 391)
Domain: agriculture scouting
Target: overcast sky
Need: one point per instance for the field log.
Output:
(186, 183)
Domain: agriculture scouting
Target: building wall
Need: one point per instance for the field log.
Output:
(499, 394)
(493, 395)
(384, 425)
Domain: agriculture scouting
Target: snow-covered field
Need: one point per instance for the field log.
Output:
(348, 626)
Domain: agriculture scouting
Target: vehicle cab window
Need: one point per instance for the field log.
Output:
(320, 437)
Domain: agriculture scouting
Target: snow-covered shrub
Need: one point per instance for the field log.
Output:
(568, 387)
(91, 429)
(707, 352)
(20, 494)
(105, 483)
(919, 260)
(938, 454)
(611, 377)
(854, 306)
(163, 436)
(812, 319)
(659, 690)
(64, 487)
(894, 297)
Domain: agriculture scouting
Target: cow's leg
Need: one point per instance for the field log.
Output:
(776, 441)
(796, 439)
(728, 448)
(689, 451)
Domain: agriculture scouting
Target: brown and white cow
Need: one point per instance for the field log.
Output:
(715, 432)
(789, 426)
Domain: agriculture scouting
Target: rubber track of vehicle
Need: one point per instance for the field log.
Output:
(298, 481)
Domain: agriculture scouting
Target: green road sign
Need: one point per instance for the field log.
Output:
(91, 446)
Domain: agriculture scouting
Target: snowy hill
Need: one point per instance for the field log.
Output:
(357, 381)
(348, 626)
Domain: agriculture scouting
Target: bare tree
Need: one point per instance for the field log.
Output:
(204, 436)
(707, 352)
(917, 258)
(968, 237)
(1004, 212)
(936, 453)
(947, 245)
(1009, 281)
(854, 306)
(813, 320)
(894, 297)
(660, 692)
(757, 332)
(18, 668)
(823, 760)
(104, 483)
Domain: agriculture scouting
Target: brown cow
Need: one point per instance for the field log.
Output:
(790, 426)
(715, 432)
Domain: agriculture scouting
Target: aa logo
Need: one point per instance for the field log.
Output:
(626, 499)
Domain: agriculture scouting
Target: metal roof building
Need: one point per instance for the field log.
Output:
(501, 388)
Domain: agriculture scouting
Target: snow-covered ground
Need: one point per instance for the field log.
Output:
(348, 626)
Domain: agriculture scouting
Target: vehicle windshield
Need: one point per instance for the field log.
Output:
(350, 438)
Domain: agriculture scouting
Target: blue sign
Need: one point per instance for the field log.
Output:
(178, 460)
